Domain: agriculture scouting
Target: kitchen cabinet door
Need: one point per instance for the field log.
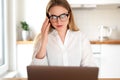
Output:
(96, 48)
(24, 58)
(93, 1)
(110, 61)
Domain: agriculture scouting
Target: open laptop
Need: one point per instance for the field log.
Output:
(62, 73)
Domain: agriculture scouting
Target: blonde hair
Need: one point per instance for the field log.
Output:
(64, 4)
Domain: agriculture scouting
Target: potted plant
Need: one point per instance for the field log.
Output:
(25, 30)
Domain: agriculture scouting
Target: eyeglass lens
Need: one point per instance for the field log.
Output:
(62, 17)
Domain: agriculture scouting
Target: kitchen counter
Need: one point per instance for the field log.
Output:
(105, 42)
(26, 79)
(92, 42)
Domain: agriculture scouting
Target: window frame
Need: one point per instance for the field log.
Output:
(1, 35)
(4, 67)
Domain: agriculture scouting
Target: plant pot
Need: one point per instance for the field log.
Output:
(25, 35)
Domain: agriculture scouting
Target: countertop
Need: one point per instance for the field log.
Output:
(26, 79)
(92, 42)
(105, 42)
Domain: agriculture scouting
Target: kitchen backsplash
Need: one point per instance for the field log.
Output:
(89, 21)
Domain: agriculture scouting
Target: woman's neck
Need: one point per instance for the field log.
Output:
(62, 35)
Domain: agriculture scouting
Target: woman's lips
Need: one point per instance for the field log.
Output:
(59, 26)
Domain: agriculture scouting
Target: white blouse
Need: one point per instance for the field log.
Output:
(75, 51)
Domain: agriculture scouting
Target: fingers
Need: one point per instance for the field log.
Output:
(47, 28)
(45, 25)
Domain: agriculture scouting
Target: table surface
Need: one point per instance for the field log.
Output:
(26, 79)
(92, 42)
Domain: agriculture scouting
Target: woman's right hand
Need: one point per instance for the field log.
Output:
(44, 32)
(44, 39)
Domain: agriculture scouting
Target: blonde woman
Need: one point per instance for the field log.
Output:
(60, 42)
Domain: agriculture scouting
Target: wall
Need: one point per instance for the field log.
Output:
(90, 19)
(33, 11)
(10, 33)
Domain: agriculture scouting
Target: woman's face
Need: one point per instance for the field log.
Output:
(59, 18)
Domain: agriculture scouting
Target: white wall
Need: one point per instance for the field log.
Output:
(10, 33)
(20, 16)
(33, 11)
(89, 21)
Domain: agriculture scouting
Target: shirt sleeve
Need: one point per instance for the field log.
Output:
(41, 62)
(87, 54)
(36, 61)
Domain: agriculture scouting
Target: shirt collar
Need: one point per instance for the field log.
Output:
(54, 32)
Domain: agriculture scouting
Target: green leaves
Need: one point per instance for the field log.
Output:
(25, 26)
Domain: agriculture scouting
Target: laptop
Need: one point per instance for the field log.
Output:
(61, 73)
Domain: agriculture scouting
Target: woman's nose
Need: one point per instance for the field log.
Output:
(58, 20)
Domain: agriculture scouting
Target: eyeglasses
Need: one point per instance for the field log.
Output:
(63, 17)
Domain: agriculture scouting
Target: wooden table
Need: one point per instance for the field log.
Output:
(26, 79)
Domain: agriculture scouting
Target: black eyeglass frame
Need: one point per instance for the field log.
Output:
(66, 14)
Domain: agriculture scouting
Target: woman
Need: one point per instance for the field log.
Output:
(61, 43)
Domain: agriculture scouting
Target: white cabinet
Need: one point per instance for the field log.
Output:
(24, 57)
(96, 48)
(97, 53)
(110, 61)
(93, 1)
(108, 57)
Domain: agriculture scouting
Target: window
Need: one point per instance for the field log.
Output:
(3, 53)
(1, 35)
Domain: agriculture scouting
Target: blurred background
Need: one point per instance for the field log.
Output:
(98, 19)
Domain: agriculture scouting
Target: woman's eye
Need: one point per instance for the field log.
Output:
(62, 16)
(54, 17)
